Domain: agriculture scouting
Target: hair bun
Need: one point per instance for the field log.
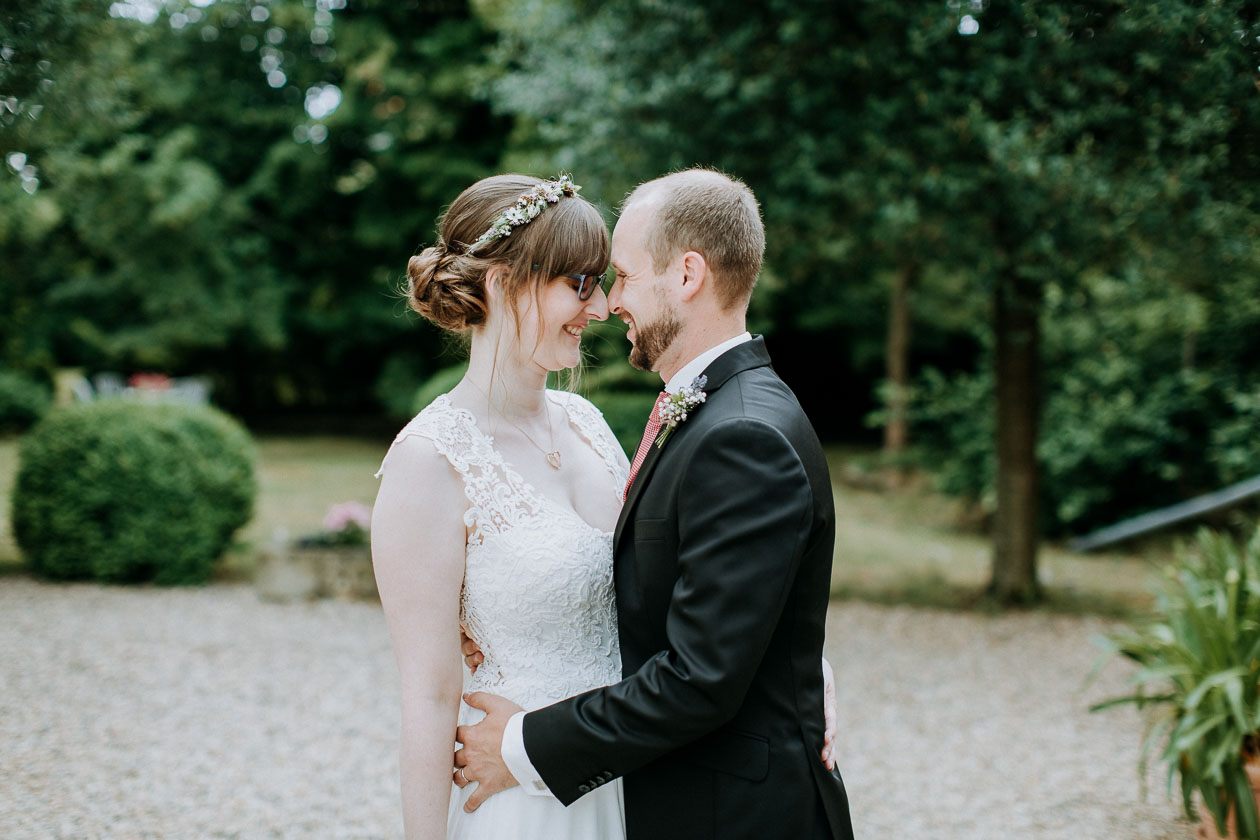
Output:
(445, 289)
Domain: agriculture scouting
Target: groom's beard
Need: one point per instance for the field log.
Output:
(653, 339)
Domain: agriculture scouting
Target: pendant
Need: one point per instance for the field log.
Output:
(553, 458)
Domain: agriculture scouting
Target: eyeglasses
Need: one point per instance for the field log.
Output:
(586, 282)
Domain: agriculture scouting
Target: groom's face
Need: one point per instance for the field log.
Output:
(640, 296)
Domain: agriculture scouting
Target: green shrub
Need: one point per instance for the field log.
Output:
(124, 492)
(23, 401)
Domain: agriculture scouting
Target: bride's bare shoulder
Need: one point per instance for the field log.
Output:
(418, 517)
(418, 480)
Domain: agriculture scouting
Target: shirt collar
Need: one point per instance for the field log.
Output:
(696, 366)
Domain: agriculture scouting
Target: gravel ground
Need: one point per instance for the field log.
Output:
(205, 713)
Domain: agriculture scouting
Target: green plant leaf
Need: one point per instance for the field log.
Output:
(1215, 681)
(1244, 801)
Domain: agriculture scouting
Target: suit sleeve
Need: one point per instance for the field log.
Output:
(744, 516)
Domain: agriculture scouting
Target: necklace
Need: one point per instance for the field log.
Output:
(552, 456)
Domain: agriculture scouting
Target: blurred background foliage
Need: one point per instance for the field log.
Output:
(232, 189)
(1019, 240)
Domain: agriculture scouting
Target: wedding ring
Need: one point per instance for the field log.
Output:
(460, 771)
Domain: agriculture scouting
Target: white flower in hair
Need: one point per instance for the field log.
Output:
(526, 208)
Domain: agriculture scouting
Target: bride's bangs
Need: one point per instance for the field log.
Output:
(587, 249)
(568, 238)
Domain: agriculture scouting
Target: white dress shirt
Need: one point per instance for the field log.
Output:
(513, 746)
(696, 366)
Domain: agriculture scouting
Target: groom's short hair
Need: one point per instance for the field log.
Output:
(712, 214)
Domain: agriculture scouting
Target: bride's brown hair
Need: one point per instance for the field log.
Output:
(446, 284)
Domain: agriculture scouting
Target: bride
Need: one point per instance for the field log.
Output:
(498, 501)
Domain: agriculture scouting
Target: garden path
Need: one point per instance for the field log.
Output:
(205, 713)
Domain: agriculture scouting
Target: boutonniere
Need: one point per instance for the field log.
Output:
(678, 406)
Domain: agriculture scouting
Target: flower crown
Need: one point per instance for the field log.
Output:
(526, 208)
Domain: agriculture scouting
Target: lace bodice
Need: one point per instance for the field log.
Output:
(538, 579)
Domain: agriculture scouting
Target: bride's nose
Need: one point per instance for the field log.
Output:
(597, 304)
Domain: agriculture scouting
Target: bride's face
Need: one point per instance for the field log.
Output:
(553, 321)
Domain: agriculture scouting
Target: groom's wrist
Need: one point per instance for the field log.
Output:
(517, 759)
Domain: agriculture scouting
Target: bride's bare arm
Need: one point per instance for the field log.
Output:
(418, 541)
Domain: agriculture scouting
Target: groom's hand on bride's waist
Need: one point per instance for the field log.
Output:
(480, 759)
(473, 658)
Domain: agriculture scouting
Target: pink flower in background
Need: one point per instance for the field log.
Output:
(149, 381)
(341, 516)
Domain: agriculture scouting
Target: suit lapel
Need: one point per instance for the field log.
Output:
(742, 357)
(640, 481)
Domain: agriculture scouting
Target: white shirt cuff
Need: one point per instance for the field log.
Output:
(517, 760)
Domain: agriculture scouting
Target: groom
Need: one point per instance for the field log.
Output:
(722, 563)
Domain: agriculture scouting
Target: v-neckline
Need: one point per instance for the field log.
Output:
(512, 471)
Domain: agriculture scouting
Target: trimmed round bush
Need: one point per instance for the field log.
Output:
(23, 401)
(126, 492)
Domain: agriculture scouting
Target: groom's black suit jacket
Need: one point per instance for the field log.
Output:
(723, 568)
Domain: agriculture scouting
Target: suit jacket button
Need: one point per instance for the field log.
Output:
(584, 788)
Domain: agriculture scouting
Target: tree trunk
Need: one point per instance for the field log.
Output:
(896, 430)
(1017, 331)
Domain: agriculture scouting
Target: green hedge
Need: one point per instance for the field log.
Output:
(123, 492)
(23, 401)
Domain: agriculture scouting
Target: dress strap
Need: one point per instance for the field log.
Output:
(496, 495)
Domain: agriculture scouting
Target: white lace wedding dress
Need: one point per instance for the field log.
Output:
(538, 598)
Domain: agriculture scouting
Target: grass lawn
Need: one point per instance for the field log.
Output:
(899, 546)
(910, 546)
(299, 479)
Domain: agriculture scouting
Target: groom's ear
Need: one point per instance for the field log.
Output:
(695, 274)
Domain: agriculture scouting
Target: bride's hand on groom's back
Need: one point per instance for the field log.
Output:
(473, 656)
(829, 716)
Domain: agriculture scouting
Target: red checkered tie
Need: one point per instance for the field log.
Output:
(649, 436)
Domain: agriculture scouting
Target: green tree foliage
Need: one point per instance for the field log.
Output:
(234, 189)
(1020, 145)
(1062, 194)
(1142, 407)
(622, 92)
